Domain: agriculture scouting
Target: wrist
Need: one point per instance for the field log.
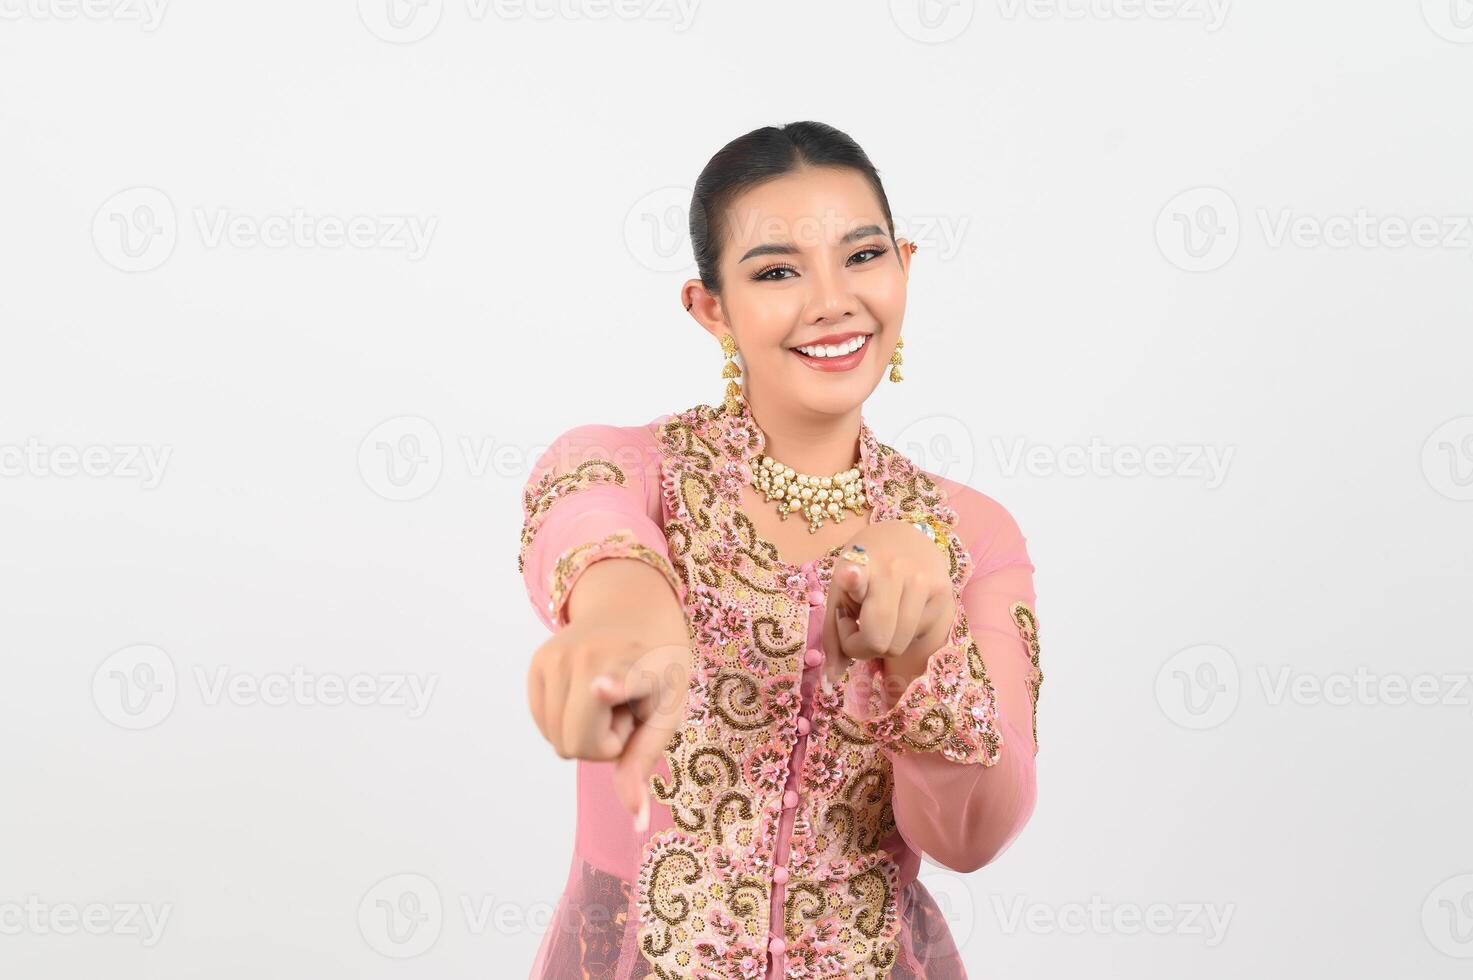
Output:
(934, 530)
(901, 669)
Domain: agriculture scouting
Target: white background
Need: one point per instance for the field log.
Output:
(1133, 218)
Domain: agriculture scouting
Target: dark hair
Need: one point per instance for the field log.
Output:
(759, 156)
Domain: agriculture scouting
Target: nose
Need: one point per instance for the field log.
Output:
(832, 301)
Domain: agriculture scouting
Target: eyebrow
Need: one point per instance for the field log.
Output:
(784, 248)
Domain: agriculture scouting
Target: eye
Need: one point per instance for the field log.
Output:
(765, 273)
(762, 274)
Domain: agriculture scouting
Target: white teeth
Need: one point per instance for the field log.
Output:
(835, 350)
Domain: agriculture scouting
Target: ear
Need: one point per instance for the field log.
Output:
(705, 307)
(905, 250)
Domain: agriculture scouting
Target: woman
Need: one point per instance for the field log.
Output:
(775, 718)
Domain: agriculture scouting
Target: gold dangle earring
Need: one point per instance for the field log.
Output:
(731, 370)
(895, 374)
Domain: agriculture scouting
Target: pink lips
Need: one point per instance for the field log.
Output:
(845, 363)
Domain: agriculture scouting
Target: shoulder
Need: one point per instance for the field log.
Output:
(987, 528)
(637, 450)
(630, 449)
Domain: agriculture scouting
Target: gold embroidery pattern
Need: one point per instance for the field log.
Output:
(1027, 623)
(913, 495)
(537, 500)
(705, 886)
(617, 544)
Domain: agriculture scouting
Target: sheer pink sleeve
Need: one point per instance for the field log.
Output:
(963, 736)
(590, 496)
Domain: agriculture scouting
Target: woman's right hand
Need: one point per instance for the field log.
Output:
(612, 684)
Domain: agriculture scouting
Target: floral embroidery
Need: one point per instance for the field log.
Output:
(1027, 623)
(538, 499)
(617, 544)
(705, 887)
(951, 709)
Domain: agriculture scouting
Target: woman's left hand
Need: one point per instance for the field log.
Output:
(898, 606)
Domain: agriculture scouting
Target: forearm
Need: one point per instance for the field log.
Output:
(627, 589)
(963, 815)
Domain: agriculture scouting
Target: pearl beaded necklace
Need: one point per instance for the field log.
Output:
(818, 497)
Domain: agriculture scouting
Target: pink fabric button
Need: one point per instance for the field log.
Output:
(779, 875)
(815, 597)
(813, 657)
(790, 799)
(804, 726)
(777, 947)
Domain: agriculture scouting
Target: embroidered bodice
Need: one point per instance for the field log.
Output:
(780, 843)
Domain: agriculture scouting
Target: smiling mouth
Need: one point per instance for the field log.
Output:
(835, 358)
(842, 349)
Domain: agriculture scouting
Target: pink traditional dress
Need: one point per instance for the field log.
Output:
(780, 833)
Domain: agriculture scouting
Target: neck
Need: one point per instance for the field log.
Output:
(819, 445)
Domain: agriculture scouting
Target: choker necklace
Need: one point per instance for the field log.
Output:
(819, 497)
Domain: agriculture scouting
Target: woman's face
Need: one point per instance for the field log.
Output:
(807, 259)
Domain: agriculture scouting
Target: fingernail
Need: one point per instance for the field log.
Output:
(642, 818)
(602, 685)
